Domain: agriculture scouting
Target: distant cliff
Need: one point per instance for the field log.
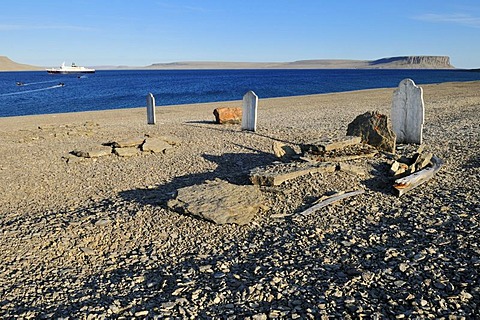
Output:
(413, 62)
(8, 65)
(407, 62)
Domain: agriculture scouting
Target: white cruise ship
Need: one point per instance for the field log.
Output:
(72, 69)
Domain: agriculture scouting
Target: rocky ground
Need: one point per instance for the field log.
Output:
(94, 238)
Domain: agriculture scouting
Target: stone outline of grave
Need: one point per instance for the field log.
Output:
(253, 106)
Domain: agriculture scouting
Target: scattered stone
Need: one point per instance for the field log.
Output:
(408, 112)
(102, 222)
(71, 158)
(283, 152)
(259, 316)
(219, 275)
(399, 283)
(80, 153)
(398, 168)
(87, 251)
(142, 313)
(94, 153)
(350, 168)
(374, 129)
(218, 201)
(228, 115)
(422, 160)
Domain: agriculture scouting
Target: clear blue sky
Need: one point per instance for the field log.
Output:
(142, 32)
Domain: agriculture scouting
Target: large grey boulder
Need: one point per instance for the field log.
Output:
(374, 129)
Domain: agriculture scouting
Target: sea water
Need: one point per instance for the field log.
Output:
(29, 93)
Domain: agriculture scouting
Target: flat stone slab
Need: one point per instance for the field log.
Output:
(100, 152)
(155, 145)
(218, 201)
(127, 143)
(329, 144)
(92, 153)
(274, 175)
(126, 152)
(171, 140)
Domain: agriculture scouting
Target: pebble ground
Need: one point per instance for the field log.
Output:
(93, 239)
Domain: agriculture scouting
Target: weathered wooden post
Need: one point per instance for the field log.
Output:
(150, 109)
(249, 111)
(408, 112)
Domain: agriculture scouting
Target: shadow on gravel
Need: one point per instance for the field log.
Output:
(231, 167)
(200, 122)
(232, 128)
(472, 163)
(381, 182)
(211, 126)
(406, 262)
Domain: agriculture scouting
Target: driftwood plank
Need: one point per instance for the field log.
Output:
(332, 199)
(329, 144)
(276, 175)
(412, 181)
(338, 158)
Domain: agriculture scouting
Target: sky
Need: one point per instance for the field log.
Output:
(142, 32)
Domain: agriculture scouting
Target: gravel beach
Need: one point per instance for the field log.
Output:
(93, 238)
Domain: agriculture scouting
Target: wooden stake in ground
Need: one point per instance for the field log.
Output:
(412, 181)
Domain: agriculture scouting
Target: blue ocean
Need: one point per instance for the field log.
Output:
(29, 93)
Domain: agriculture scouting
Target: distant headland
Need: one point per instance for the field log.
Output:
(407, 62)
(404, 62)
(8, 65)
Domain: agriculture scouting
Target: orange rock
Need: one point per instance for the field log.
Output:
(228, 115)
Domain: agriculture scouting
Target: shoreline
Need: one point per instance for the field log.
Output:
(92, 113)
(94, 236)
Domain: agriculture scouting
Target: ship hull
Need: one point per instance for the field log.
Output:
(69, 72)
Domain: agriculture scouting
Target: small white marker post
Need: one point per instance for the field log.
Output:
(249, 111)
(150, 109)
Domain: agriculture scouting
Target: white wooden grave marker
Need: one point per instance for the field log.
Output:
(408, 112)
(150, 109)
(249, 111)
